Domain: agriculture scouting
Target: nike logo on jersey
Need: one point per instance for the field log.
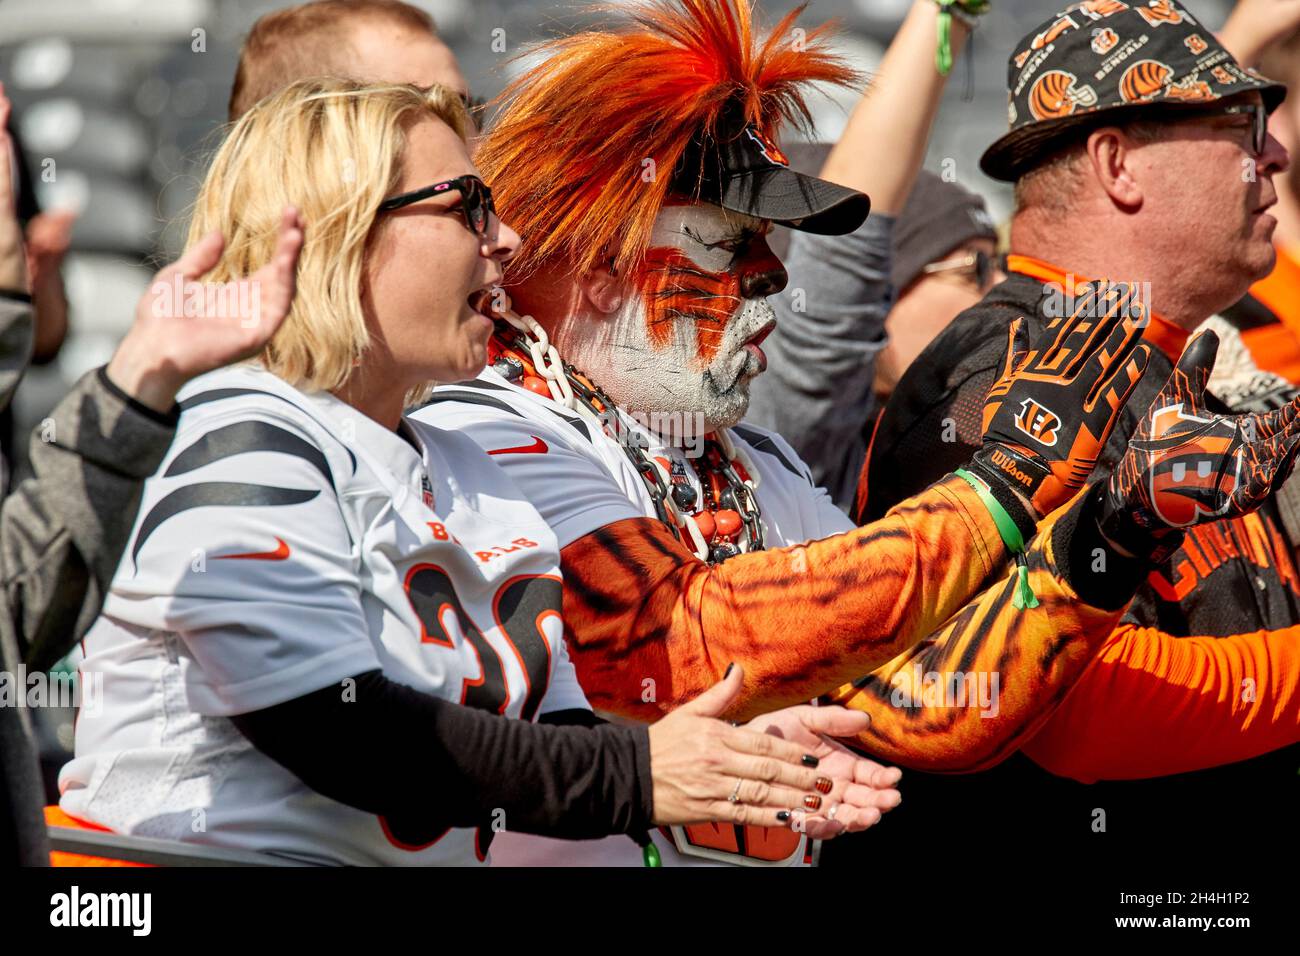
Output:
(538, 447)
(279, 554)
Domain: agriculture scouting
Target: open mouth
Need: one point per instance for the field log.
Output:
(752, 344)
(480, 300)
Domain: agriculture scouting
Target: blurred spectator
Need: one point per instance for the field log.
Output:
(831, 317)
(368, 40)
(1263, 34)
(48, 235)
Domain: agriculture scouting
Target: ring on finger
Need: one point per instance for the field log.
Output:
(735, 793)
(830, 814)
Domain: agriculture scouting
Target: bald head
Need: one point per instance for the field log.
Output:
(379, 41)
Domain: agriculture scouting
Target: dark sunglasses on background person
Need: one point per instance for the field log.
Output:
(978, 264)
(473, 104)
(475, 195)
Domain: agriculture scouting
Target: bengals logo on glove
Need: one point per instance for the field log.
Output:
(1039, 423)
(1049, 415)
(1187, 465)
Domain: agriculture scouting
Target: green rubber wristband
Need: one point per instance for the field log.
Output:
(1024, 594)
(943, 54)
(1007, 527)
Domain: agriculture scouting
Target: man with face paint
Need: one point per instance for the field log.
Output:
(639, 166)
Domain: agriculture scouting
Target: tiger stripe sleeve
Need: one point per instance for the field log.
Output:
(1185, 703)
(649, 626)
(968, 696)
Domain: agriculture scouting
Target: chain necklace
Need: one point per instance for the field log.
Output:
(719, 523)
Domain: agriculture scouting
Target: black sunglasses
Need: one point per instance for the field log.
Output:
(978, 263)
(1256, 111)
(476, 201)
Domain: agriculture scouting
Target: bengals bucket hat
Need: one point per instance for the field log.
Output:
(1104, 55)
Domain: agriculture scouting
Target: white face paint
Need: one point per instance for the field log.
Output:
(685, 339)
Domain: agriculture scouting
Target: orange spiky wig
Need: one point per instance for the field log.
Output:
(565, 157)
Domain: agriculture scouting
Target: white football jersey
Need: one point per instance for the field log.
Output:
(580, 479)
(286, 543)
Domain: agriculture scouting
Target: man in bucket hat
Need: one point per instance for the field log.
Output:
(1140, 153)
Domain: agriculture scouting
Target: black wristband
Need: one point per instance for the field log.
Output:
(1014, 506)
(16, 296)
(169, 417)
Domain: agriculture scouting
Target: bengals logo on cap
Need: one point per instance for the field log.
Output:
(1021, 57)
(1195, 471)
(1056, 94)
(1196, 44)
(1223, 76)
(1038, 422)
(1143, 80)
(1157, 12)
(766, 146)
(1096, 9)
(1052, 32)
(1104, 40)
(1189, 90)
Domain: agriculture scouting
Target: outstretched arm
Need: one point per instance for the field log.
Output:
(1154, 704)
(972, 693)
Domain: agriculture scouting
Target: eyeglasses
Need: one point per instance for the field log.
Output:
(1258, 116)
(476, 201)
(978, 263)
(473, 104)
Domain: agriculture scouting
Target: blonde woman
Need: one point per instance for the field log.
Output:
(314, 584)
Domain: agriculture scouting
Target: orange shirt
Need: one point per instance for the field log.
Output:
(1160, 332)
(1276, 347)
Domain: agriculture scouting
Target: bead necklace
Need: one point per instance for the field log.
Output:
(717, 524)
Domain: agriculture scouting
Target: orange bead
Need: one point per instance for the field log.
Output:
(704, 521)
(727, 521)
(537, 385)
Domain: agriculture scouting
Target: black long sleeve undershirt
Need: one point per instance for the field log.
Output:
(426, 764)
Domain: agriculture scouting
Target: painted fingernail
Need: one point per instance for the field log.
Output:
(809, 760)
(823, 785)
(812, 801)
(783, 815)
(730, 667)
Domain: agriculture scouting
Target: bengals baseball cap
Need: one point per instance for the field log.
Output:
(1108, 56)
(744, 171)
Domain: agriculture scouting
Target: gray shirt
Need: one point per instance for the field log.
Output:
(816, 392)
(62, 533)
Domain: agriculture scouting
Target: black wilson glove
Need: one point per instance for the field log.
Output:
(1048, 417)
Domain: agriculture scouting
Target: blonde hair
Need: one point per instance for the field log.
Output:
(333, 148)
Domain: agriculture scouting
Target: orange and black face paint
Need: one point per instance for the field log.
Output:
(674, 286)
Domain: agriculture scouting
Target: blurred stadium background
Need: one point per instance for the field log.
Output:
(117, 102)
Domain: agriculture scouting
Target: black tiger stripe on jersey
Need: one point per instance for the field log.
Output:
(210, 494)
(465, 395)
(218, 445)
(218, 394)
(764, 443)
(243, 437)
